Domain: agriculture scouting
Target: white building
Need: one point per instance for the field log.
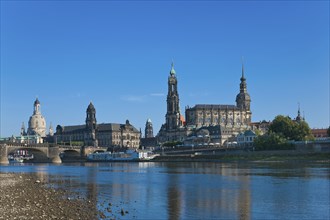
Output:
(246, 139)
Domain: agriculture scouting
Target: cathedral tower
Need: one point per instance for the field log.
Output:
(148, 132)
(173, 108)
(243, 99)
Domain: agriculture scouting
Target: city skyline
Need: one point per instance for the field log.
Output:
(118, 55)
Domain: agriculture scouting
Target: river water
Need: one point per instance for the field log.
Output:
(195, 190)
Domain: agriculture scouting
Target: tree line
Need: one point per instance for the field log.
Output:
(282, 131)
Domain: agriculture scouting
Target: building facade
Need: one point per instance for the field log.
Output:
(246, 139)
(93, 134)
(221, 120)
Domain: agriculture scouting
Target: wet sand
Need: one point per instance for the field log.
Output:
(25, 196)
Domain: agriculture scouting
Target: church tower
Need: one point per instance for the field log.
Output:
(173, 108)
(299, 118)
(23, 133)
(90, 135)
(148, 132)
(243, 99)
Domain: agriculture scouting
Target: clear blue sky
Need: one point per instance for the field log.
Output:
(118, 55)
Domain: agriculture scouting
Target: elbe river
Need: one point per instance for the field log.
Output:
(196, 190)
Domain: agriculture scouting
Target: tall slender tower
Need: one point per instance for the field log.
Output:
(148, 132)
(243, 99)
(23, 133)
(173, 108)
(90, 136)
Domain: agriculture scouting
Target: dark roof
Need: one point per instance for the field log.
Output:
(216, 107)
(100, 127)
(108, 127)
(90, 107)
(73, 128)
(114, 127)
(249, 133)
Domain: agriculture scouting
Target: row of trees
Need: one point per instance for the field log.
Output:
(281, 131)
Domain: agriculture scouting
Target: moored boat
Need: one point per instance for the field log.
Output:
(20, 156)
(128, 155)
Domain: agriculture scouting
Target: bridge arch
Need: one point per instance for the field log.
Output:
(39, 155)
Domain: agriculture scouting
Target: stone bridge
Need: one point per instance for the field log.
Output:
(51, 151)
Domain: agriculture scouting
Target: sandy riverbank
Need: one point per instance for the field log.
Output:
(26, 196)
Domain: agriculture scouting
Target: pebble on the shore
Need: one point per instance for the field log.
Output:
(21, 199)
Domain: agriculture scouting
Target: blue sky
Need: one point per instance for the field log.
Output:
(118, 55)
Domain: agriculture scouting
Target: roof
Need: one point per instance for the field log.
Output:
(73, 128)
(114, 127)
(172, 70)
(249, 133)
(214, 106)
(90, 107)
(36, 102)
(100, 127)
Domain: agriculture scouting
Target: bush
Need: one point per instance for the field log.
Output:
(272, 141)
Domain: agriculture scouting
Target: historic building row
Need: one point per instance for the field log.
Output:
(104, 134)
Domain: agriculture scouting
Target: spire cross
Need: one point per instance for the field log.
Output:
(242, 68)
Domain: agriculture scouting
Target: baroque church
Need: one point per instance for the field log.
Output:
(93, 134)
(213, 124)
(36, 132)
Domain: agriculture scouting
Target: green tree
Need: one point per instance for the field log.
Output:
(272, 141)
(301, 132)
(289, 129)
(282, 125)
(328, 131)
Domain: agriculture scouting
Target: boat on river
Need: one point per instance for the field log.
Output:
(20, 156)
(128, 155)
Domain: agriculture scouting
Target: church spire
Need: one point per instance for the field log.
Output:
(23, 129)
(243, 98)
(299, 118)
(172, 72)
(242, 78)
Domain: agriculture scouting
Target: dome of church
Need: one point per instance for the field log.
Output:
(37, 125)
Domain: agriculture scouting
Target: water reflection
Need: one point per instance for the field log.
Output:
(208, 191)
(196, 190)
